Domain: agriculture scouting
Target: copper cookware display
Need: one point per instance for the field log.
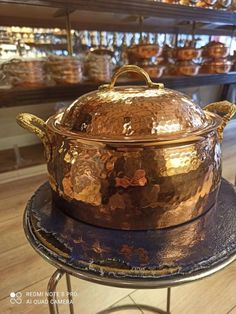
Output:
(25, 72)
(145, 55)
(208, 4)
(154, 70)
(99, 65)
(133, 157)
(216, 61)
(223, 4)
(186, 58)
(187, 53)
(188, 68)
(216, 66)
(143, 51)
(65, 70)
(234, 62)
(216, 50)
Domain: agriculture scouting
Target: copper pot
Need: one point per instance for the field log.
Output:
(216, 66)
(187, 53)
(133, 157)
(153, 70)
(25, 73)
(65, 70)
(143, 51)
(223, 4)
(186, 68)
(206, 3)
(216, 50)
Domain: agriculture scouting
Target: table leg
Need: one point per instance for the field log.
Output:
(68, 283)
(168, 300)
(51, 289)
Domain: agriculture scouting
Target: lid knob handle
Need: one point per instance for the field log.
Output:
(136, 69)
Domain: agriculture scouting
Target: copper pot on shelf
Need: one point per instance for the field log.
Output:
(188, 68)
(143, 51)
(208, 4)
(153, 70)
(216, 66)
(98, 66)
(215, 50)
(223, 4)
(133, 157)
(187, 53)
(25, 72)
(65, 70)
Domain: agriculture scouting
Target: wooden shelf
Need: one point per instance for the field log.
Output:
(139, 7)
(118, 15)
(49, 46)
(28, 96)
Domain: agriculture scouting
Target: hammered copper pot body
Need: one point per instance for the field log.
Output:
(135, 188)
(133, 157)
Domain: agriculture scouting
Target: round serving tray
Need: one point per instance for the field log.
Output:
(134, 259)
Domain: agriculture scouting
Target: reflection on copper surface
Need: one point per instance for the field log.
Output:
(133, 157)
(138, 188)
(132, 111)
(180, 247)
(183, 160)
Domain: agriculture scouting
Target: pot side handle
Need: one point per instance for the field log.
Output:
(37, 126)
(223, 107)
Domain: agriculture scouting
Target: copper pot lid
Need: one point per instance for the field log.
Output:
(214, 43)
(133, 113)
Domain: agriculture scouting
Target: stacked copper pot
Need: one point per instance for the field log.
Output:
(145, 55)
(65, 70)
(186, 60)
(216, 58)
(25, 72)
(99, 64)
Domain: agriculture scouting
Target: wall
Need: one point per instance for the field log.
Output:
(12, 134)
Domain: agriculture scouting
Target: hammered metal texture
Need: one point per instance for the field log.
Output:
(180, 251)
(133, 158)
(135, 187)
(132, 112)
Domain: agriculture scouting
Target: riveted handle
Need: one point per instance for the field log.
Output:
(37, 126)
(225, 107)
(136, 69)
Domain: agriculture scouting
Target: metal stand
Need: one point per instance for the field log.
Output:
(51, 290)
(39, 221)
(53, 306)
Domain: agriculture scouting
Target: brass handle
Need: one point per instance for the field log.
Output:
(136, 69)
(37, 126)
(225, 107)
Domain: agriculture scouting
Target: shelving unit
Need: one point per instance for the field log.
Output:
(51, 46)
(104, 15)
(112, 15)
(26, 96)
